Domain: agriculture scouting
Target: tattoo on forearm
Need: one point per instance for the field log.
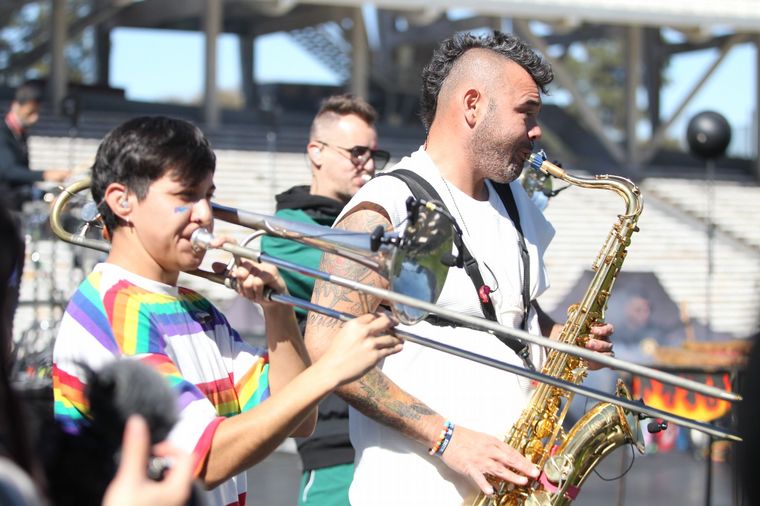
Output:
(345, 299)
(376, 395)
(376, 402)
(321, 320)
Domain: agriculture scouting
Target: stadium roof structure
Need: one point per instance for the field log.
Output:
(740, 15)
(404, 33)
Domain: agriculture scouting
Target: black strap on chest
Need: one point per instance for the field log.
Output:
(505, 193)
(421, 189)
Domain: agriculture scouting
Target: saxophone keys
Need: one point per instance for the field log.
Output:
(573, 363)
(544, 428)
(534, 451)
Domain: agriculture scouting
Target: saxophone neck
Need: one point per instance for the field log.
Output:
(622, 186)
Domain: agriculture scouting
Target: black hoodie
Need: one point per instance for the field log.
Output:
(330, 444)
(319, 208)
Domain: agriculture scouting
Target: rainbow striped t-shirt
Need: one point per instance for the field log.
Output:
(214, 373)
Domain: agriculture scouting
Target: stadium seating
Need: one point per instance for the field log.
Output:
(672, 241)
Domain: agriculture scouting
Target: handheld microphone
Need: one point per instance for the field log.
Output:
(128, 387)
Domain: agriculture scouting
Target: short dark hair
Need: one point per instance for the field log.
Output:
(28, 92)
(344, 104)
(142, 150)
(451, 49)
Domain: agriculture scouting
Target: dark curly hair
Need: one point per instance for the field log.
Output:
(142, 150)
(451, 49)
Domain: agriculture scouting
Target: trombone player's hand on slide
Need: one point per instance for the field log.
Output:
(254, 279)
(358, 346)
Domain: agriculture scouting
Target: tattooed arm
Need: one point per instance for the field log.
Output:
(469, 453)
(374, 394)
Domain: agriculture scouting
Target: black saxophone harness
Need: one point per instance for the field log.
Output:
(422, 190)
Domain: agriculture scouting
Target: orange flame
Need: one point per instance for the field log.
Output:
(683, 402)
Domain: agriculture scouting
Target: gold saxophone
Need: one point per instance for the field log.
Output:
(566, 460)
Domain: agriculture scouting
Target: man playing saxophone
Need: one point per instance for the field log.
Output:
(427, 426)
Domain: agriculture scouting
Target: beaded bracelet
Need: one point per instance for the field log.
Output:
(443, 439)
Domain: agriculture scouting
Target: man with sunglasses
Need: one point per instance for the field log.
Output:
(342, 156)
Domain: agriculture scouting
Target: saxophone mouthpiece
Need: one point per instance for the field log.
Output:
(538, 161)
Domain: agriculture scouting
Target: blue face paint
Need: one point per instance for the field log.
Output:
(182, 209)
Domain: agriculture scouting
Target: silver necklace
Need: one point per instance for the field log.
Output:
(456, 206)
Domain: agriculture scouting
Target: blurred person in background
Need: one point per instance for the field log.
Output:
(16, 178)
(638, 324)
(342, 156)
(20, 474)
(747, 415)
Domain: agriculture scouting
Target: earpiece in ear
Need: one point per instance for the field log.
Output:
(123, 203)
(319, 150)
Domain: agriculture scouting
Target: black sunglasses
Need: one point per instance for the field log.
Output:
(361, 154)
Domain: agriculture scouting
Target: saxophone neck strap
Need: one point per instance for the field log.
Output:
(508, 199)
(422, 190)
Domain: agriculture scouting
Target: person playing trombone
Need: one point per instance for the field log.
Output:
(427, 426)
(153, 182)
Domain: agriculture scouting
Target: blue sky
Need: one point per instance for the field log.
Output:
(174, 71)
(175, 66)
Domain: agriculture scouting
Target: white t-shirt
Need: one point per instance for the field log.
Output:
(390, 468)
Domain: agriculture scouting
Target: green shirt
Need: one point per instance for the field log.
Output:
(299, 285)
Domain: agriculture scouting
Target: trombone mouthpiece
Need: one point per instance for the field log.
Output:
(201, 239)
